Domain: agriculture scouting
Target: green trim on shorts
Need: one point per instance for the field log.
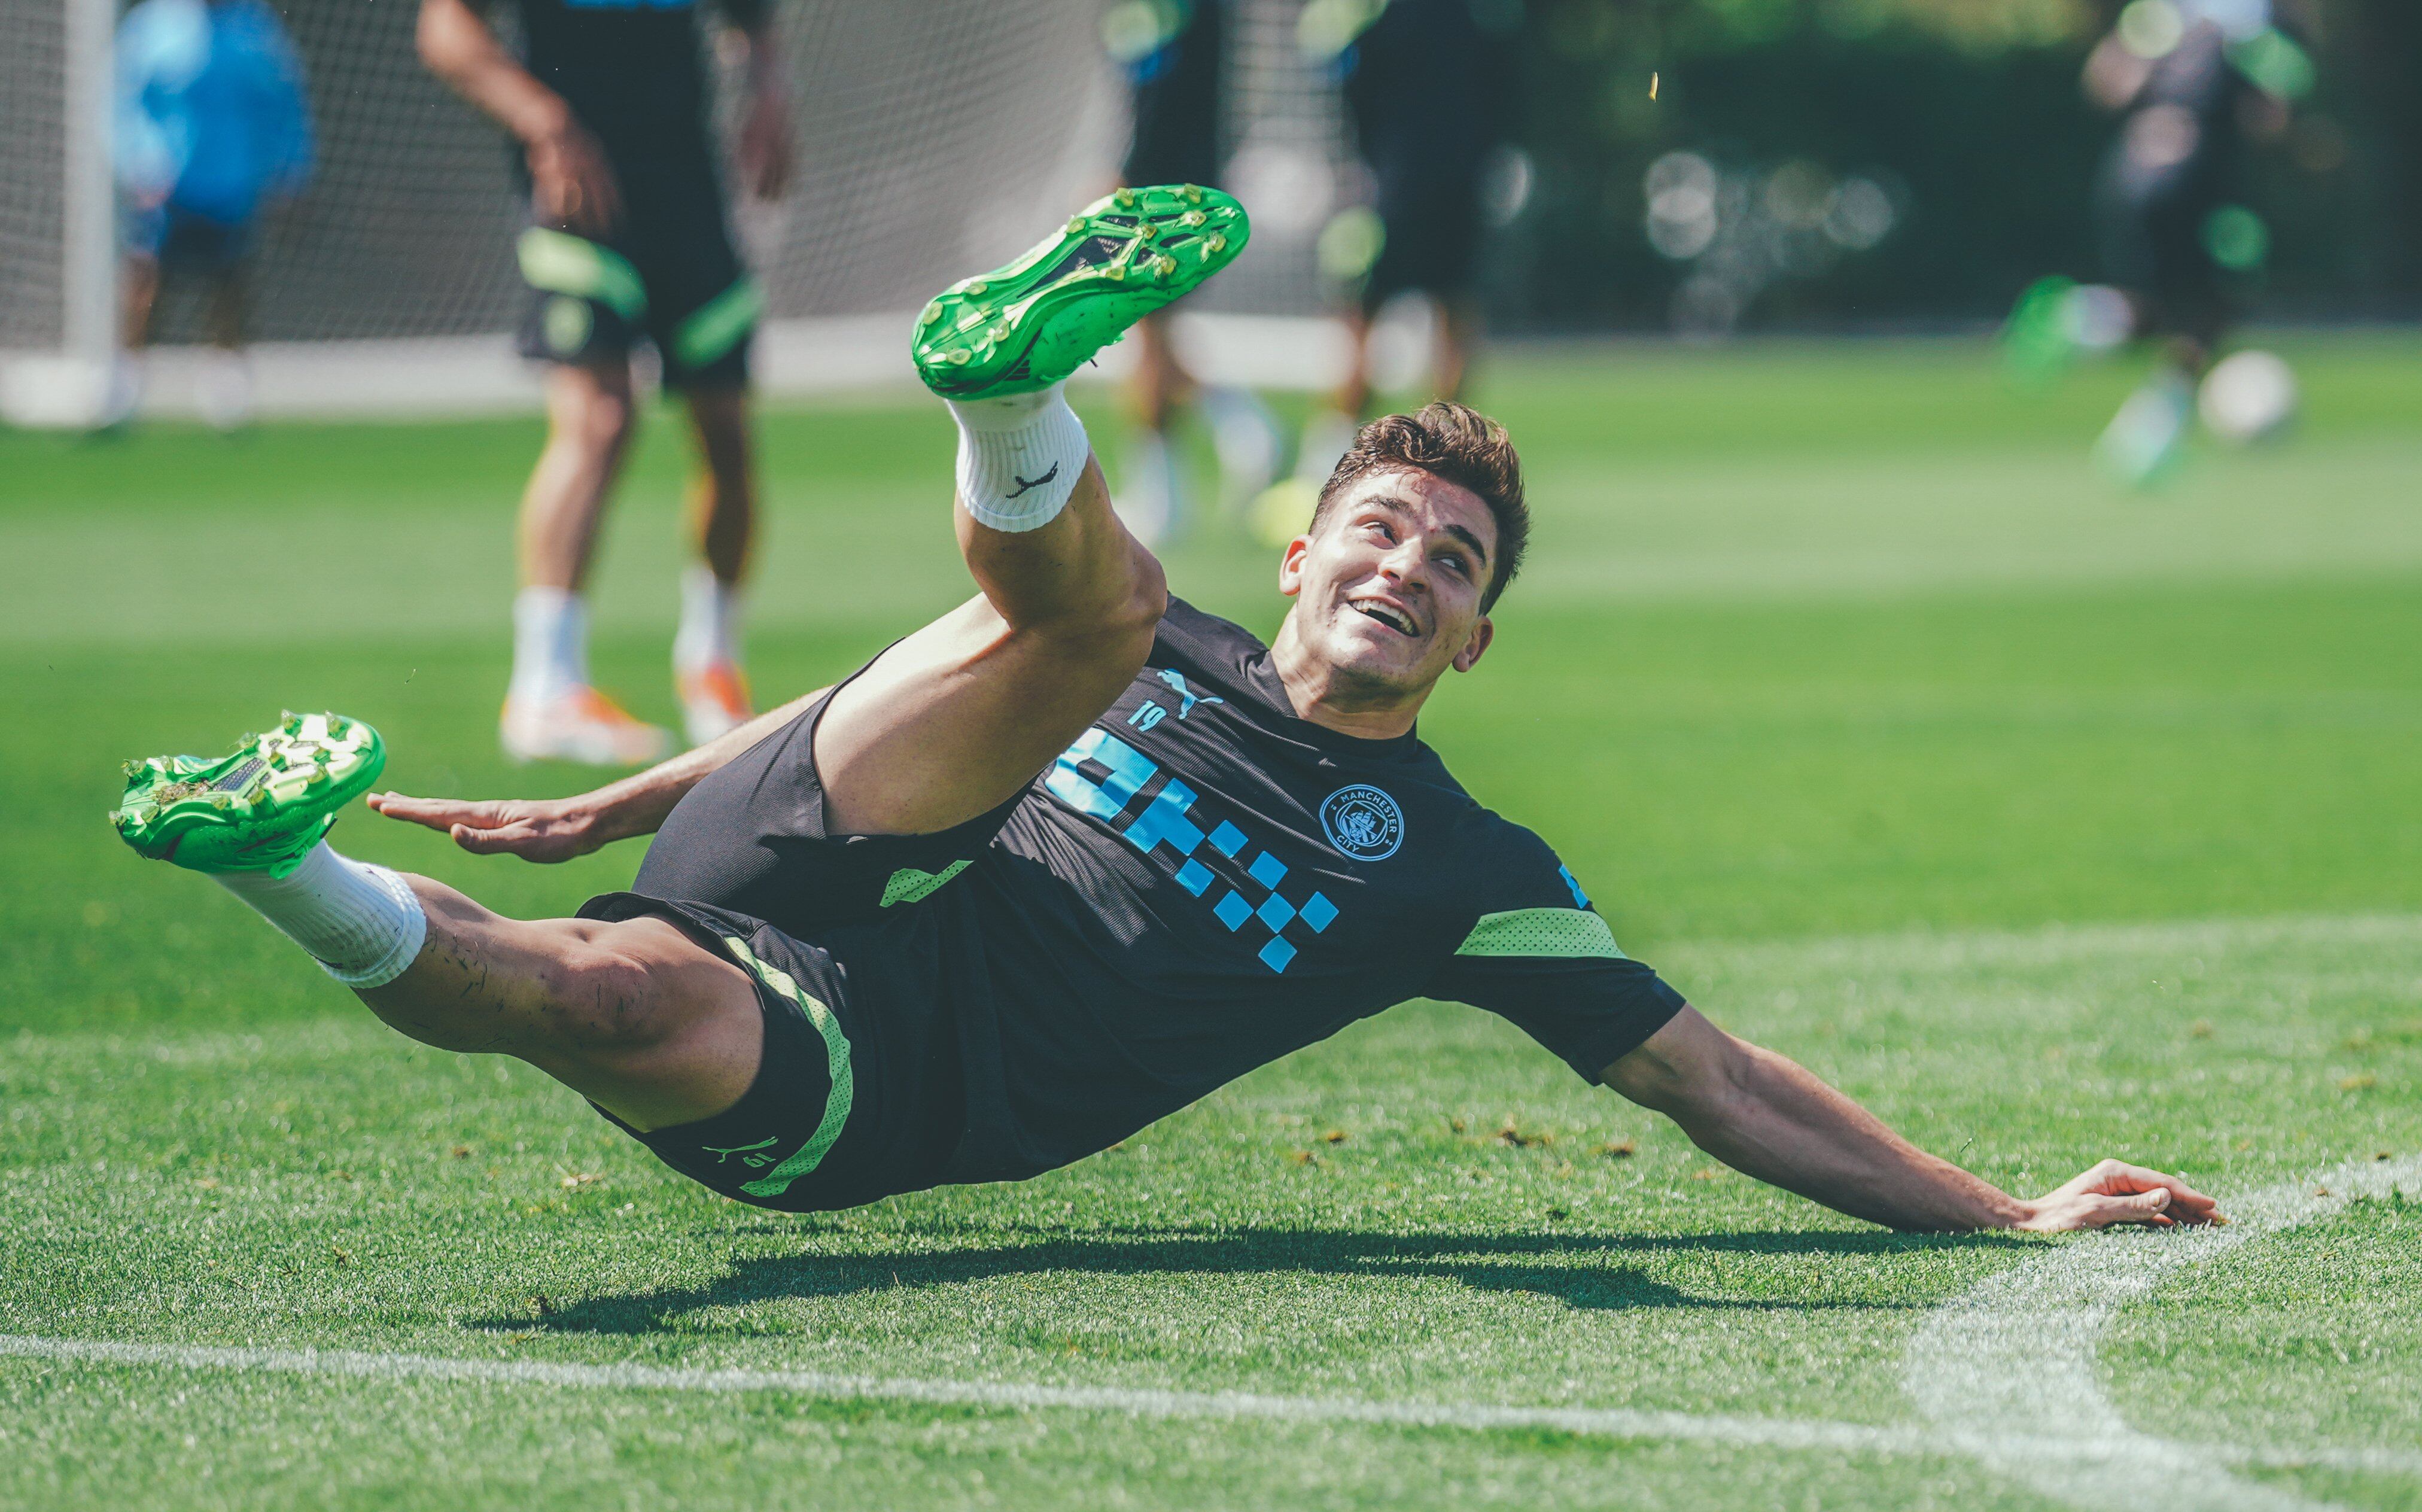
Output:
(717, 326)
(909, 885)
(1561, 933)
(562, 263)
(811, 1155)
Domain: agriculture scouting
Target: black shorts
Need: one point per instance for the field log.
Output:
(182, 240)
(666, 274)
(1175, 94)
(1430, 223)
(857, 1095)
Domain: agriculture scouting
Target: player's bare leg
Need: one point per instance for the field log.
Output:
(633, 1013)
(707, 675)
(954, 720)
(551, 710)
(588, 422)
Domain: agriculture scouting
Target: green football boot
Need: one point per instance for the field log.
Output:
(259, 810)
(1033, 322)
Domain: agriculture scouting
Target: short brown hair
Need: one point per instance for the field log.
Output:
(1459, 445)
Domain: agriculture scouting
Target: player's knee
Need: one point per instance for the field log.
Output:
(598, 423)
(602, 995)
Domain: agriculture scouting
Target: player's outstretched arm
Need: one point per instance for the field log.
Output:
(569, 179)
(558, 830)
(1766, 1116)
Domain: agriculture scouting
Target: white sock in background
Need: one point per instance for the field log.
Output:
(1019, 457)
(1151, 500)
(550, 645)
(1247, 437)
(710, 621)
(223, 392)
(361, 922)
(1327, 435)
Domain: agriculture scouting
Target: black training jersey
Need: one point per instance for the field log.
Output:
(1204, 882)
(630, 70)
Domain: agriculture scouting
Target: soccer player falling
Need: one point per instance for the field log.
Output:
(627, 242)
(1066, 859)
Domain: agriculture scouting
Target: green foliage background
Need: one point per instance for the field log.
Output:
(1970, 111)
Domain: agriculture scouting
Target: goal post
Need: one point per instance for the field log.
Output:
(59, 314)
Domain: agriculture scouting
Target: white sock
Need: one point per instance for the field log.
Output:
(361, 922)
(550, 645)
(1019, 457)
(710, 621)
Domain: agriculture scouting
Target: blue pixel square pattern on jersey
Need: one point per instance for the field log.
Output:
(1165, 820)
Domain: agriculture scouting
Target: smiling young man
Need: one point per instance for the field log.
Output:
(1065, 859)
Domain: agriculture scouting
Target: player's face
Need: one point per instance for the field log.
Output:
(1388, 586)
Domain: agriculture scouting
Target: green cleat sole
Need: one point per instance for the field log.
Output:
(261, 809)
(1029, 325)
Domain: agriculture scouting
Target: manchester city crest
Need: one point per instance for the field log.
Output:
(1363, 823)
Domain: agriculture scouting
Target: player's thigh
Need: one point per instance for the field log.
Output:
(646, 1022)
(955, 719)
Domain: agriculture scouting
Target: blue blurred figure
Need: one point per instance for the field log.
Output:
(212, 130)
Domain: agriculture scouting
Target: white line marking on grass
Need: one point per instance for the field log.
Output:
(2010, 1367)
(1610, 1423)
(1597, 1423)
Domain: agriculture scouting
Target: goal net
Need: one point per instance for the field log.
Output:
(931, 138)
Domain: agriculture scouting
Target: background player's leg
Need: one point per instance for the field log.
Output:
(550, 708)
(588, 419)
(1153, 500)
(226, 393)
(722, 512)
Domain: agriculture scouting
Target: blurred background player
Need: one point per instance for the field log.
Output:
(1428, 87)
(211, 132)
(2193, 81)
(629, 240)
(1174, 54)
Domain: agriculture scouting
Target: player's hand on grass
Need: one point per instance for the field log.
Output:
(570, 181)
(545, 829)
(2114, 1192)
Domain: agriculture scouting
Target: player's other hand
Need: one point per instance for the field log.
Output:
(570, 181)
(547, 829)
(764, 146)
(2114, 1192)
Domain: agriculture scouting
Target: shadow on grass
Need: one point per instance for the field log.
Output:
(1564, 1268)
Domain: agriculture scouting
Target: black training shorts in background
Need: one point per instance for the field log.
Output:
(666, 274)
(1175, 95)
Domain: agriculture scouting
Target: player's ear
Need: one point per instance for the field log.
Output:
(1291, 565)
(1473, 649)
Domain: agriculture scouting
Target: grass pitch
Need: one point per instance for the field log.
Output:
(2049, 820)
